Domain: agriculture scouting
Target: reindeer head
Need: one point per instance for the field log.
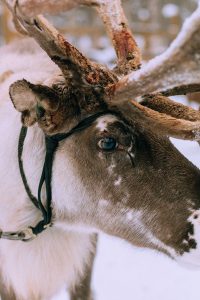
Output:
(121, 174)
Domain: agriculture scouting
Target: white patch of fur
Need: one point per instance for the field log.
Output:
(69, 193)
(76, 227)
(134, 217)
(185, 242)
(118, 181)
(104, 121)
(196, 134)
(103, 202)
(100, 155)
(111, 167)
(43, 266)
(130, 215)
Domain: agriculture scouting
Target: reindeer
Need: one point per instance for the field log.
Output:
(87, 158)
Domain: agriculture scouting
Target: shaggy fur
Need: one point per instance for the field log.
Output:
(57, 258)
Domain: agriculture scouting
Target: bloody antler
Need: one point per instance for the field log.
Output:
(127, 51)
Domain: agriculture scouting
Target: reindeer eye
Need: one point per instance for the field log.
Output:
(108, 144)
(40, 111)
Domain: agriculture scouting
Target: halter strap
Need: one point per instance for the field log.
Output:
(51, 143)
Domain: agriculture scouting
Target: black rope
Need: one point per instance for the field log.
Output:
(22, 137)
(85, 123)
(52, 143)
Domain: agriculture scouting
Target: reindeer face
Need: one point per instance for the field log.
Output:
(121, 175)
(135, 191)
(129, 182)
(116, 176)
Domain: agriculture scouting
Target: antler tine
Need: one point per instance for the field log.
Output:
(127, 51)
(163, 123)
(165, 105)
(71, 62)
(174, 72)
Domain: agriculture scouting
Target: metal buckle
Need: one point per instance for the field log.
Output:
(28, 234)
(23, 235)
(48, 225)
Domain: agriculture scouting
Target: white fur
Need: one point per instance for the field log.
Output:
(118, 181)
(56, 258)
(111, 168)
(104, 121)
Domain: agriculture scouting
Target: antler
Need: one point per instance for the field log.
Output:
(170, 117)
(71, 62)
(128, 53)
(163, 123)
(176, 71)
(111, 12)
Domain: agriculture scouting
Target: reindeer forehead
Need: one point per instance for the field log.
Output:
(103, 122)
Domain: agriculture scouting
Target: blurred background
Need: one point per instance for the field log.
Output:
(154, 24)
(123, 272)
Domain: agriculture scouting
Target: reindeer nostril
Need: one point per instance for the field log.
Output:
(191, 229)
(192, 244)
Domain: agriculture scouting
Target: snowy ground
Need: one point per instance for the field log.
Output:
(123, 272)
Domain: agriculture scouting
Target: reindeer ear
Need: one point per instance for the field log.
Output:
(33, 101)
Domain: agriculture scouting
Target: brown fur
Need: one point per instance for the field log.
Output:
(5, 292)
(160, 183)
(82, 290)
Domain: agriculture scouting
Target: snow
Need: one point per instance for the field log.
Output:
(170, 10)
(124, 272)
(143, 14)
